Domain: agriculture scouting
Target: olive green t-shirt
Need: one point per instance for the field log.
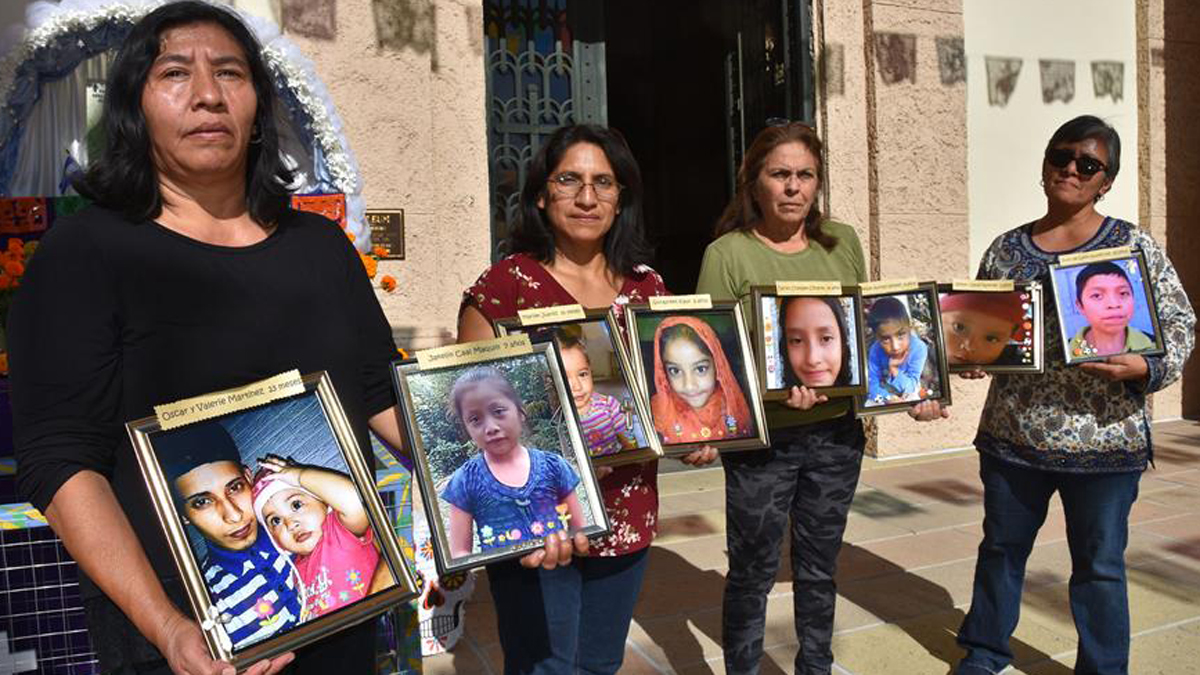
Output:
(739, 260)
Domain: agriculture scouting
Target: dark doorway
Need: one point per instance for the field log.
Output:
(690, 83)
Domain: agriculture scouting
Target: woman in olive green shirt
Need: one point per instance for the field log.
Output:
(772, 230)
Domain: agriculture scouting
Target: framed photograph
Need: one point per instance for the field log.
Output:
(905, 353)
(613, 417)
(500, 458)
(1105, 305)
(272, 516)
(994, 326)
(809, 335)
(693, 359)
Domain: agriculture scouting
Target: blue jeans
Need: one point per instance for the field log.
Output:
(1096, 507)
(585, 612)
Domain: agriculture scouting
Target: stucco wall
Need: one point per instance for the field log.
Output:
(407, 79)
(901, 163)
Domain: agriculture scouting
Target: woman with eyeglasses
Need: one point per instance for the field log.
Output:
(773, 230)
(577, 240)
(1082, 431)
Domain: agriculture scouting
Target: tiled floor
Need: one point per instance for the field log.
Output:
(905, 576)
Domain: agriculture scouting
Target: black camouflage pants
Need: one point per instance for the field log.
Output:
(808, 474)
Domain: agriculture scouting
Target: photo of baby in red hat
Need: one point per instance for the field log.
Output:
(992, 330)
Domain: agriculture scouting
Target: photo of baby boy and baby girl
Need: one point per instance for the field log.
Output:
(277, 526)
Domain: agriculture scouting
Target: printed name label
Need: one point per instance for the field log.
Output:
(668, 302)
(984, 285)
(541, 315)
(208, 406)
(808, 288)
(473, 352)
(1096, 256)
(886, 287)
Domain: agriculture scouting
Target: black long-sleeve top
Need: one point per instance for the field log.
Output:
(115, 317)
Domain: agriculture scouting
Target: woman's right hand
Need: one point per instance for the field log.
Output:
(803, 398)
(557, 551)
(187, 654)
(973, 374)
(927, 411)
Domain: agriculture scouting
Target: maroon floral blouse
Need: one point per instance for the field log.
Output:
(631, 490)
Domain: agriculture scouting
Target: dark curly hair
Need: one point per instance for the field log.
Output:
(123, 177)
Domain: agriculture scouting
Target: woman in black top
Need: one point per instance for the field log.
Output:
(190, 274)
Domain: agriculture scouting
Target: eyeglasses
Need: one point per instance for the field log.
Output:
(1086, 165)
(569, 185)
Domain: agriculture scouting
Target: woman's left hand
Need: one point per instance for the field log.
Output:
(557, 551)
(707, 454)
(1119, 367)
(927, 411)
(803, 398)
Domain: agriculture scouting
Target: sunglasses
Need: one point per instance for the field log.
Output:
(1086, 165)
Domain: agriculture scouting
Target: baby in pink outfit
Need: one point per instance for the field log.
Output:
(336, 557)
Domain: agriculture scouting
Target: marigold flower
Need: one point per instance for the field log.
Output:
(16, 245)
(13, 268)
(3, 363)
(5, 282)
(370, 264)
(349, 235)
(379, 252)
(388, 282)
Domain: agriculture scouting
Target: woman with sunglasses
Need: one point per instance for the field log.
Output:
(1082, 431)
(577, 240)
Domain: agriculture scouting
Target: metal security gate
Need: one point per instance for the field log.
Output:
(544, 69)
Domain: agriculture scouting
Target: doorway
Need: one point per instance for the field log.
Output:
(689, 84)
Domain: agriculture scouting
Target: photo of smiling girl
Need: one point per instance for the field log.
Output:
(506, 493)
(815, 348)
(696, 396)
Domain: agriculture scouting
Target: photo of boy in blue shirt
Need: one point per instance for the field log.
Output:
(896, 359)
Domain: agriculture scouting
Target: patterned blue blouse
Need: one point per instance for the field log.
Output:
(506, 515)
(1067, 419)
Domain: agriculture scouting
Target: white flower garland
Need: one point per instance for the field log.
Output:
(48, 22)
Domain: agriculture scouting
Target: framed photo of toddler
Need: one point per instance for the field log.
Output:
(1105, 305)
(905, 347)
(992, 325)
(497, 450)
(809, 334)
(272, 516)
(695, 364)
(613, 415)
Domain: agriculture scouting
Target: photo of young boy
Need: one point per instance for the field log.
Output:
(902, 358)
(988, 328)
(1104, 310)
(504, 469)
(279, 528)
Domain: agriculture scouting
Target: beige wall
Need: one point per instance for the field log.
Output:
(413, 111)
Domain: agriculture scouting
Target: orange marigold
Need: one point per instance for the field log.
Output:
(3, 363)
(349, 235)
(379, 251)
(16, 245)
(13, 268)
(5, 282)
(370, 264)
(388, 283)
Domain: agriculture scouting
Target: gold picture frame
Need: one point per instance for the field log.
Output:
(682, 419)
(598, 335)
(974, 317)
(475, 517)
(201, 469)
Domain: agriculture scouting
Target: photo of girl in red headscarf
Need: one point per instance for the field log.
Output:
(696, 396)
